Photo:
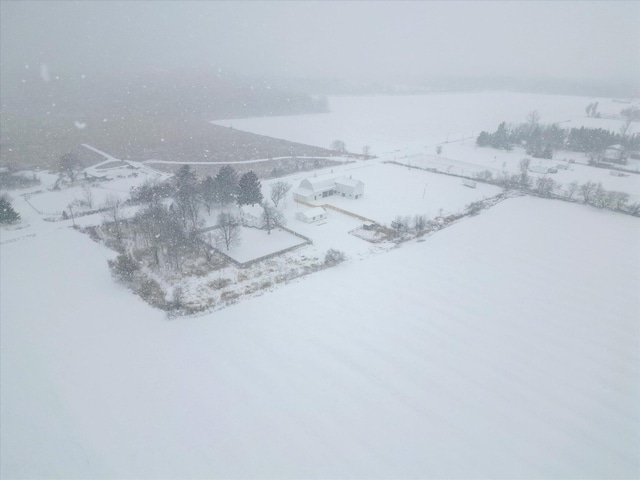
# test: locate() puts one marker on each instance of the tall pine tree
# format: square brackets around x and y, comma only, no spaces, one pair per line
[226,185]
[7,213]
[249,189]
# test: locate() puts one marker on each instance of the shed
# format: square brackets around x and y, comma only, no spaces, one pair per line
[312,215]
[614,154]
[539,169]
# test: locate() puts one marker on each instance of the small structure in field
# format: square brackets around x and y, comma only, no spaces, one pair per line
[251,216]
[469,183]
[543,169]
[311,189]
[614,154]
[312,215]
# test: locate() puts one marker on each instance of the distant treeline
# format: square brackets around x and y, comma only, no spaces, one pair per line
[541,141]
[159,94]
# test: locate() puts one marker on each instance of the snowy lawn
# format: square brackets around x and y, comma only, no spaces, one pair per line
[392,190]
[255,243]
[505,346]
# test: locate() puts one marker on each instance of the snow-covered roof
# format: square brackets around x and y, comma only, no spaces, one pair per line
[318,185]
[347,182]
[313,212]
[305,192]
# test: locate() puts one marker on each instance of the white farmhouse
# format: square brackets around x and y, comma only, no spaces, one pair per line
[312,215]
[251,216]
[311,189]
[350,188]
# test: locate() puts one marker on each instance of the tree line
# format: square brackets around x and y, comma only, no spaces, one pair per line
[541,141]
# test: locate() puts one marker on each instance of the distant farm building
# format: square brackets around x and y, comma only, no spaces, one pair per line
[312,215]
[614,154]
[543,169]
[311,189]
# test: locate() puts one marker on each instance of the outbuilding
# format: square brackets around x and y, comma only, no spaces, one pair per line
[614,154]
[312,215]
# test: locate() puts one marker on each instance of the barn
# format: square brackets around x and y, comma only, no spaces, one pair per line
[312,189]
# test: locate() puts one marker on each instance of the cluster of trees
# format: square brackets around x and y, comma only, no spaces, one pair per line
[171,232]
[10,179]
[541,141]
[590,193]
[592,110]
[417,225]
[189,193]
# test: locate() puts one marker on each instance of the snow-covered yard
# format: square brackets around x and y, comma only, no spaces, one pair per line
[392,190]
[255,243]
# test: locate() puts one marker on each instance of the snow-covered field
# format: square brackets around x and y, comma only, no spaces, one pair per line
[504,346]
[409,124]
[408,130]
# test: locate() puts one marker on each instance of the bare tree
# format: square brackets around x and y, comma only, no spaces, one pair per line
[420,224]
[533,118]
[366,150]
[113,213]
[572,188]
[87,196]
[587,190]
[70,165]
[229,229]
[525,181]
[545,186]
[271,217]
[339,146]
[279,191]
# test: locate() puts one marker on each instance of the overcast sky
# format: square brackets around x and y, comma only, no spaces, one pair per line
[354,40]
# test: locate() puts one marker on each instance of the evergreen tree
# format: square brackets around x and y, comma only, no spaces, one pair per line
[7,213]
[226,185]
[249,189]
[208,192]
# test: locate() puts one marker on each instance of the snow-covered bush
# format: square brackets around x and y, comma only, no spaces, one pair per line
[334,257]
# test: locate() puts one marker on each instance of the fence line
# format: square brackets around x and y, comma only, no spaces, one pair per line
[307,241]
[340,210]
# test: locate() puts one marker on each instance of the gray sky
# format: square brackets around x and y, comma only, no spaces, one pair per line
[354,40]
